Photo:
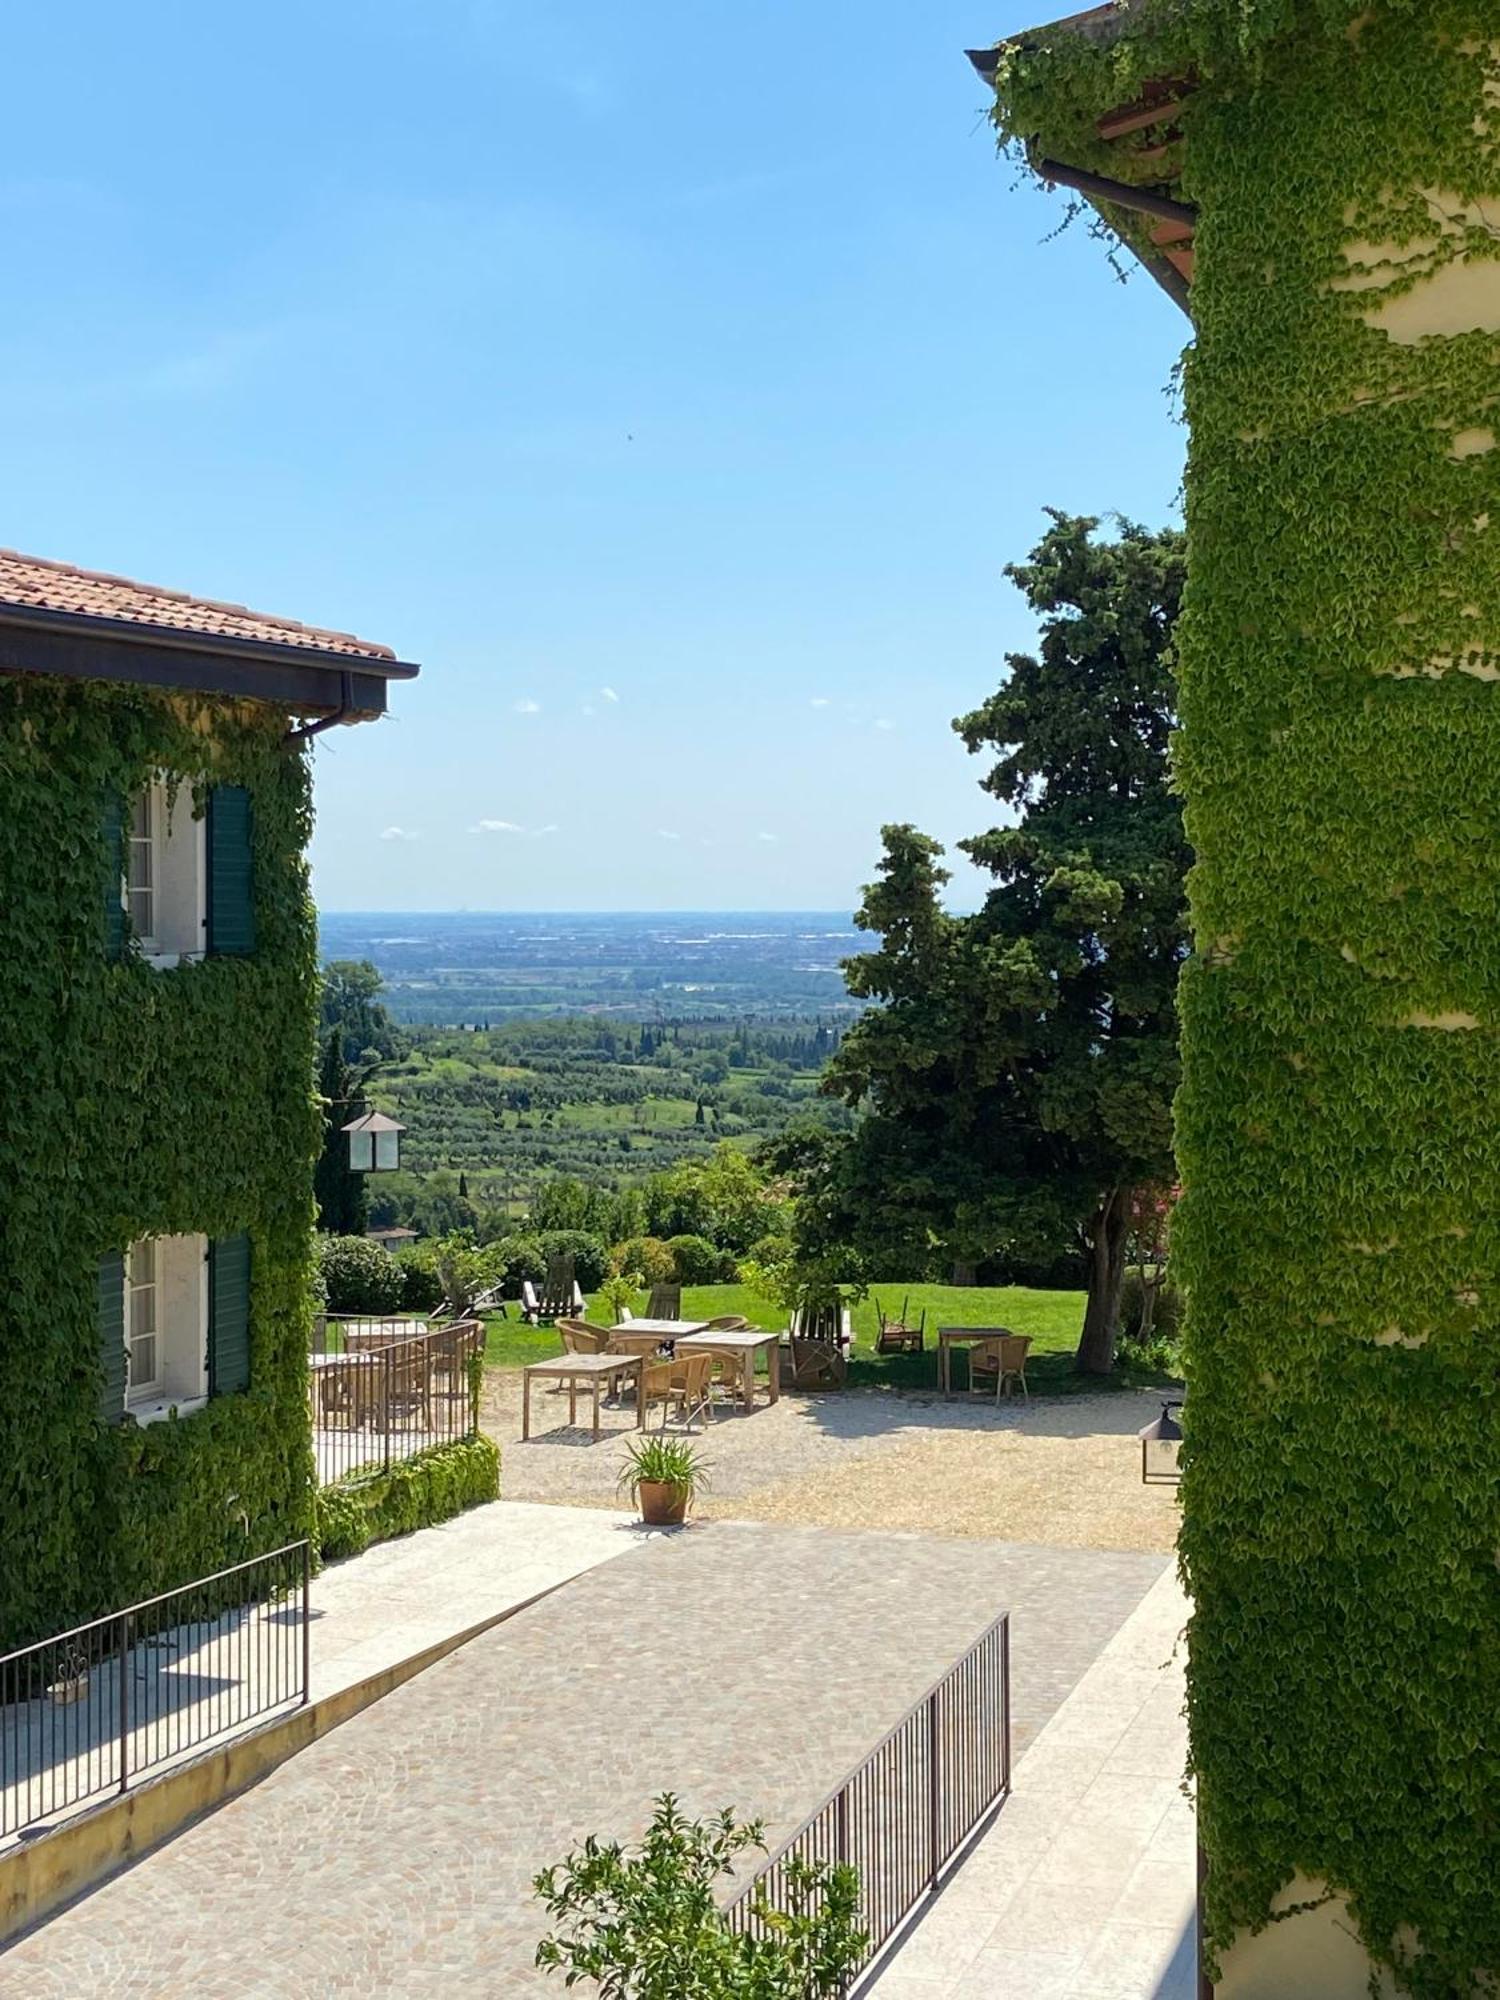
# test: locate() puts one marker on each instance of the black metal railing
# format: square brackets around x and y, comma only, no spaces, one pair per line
[381,1393]
[905,1814]
[88,1712]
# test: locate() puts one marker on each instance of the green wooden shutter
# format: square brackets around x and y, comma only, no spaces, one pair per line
[228,1315]
[112,819]
[231,873]
[112,1337]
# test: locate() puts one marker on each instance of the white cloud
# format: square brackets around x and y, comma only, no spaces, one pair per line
[497,826]
[884,722]
[526,706]
[541,832]
[399,833]
[666,833]
[819,701]
[608,694]
[773,837]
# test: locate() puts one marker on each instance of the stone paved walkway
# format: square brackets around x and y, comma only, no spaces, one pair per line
[1084,1887]
[196,1683]
[1060,1469]
[737,1664]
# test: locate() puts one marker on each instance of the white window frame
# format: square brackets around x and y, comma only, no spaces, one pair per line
[141,1274]
[175,843]
[175,1271]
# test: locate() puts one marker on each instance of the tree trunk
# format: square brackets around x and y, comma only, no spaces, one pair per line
[1107,1234]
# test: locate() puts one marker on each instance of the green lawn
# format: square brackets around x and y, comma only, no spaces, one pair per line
[1052,1319]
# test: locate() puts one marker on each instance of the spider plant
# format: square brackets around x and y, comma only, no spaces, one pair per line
[662,1461]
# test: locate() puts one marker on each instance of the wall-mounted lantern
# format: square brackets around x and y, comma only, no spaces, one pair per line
[374,1143]
[1161,1440]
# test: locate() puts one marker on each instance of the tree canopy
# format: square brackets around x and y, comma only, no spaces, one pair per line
[1015,1071]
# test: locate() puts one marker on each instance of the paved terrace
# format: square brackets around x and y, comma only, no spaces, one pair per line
[368,1615]
[737,1664]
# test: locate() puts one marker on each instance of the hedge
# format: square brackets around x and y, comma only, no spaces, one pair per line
[416,1493]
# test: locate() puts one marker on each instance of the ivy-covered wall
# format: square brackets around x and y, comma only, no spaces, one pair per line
[137,1102]
[1339,1122]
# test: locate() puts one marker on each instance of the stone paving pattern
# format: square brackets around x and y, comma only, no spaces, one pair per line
[368,1614]
[736,1664]
[1084,1887]
[1059,1469]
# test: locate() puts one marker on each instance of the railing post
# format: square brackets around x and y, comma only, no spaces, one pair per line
[385,1404]
[934,1802]
[1005,1705]
[124,1701]
[306,1623]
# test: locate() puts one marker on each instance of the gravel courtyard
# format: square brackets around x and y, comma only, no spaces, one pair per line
[1061,1470]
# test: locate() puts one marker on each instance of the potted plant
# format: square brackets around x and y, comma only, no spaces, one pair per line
[72,1683]
[663,1475]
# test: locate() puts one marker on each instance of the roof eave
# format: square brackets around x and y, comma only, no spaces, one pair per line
[302,680]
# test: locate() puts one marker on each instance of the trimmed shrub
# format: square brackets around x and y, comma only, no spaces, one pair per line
[519,1260]
[359,1276]
[416,1493]
[648,1255]
[770,1250]
[590,1258]
[696,1261]
[422,1288]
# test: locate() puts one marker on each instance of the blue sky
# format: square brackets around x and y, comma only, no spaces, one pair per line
[672,381]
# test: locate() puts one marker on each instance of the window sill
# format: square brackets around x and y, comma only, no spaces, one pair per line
[158,1412]
[168,961]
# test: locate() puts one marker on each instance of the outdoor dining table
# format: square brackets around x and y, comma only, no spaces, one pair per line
[576,1368]
[950,1337]
[659,1329]
[743,1348]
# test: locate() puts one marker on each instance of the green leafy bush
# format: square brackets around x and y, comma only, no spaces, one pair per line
[416,1493]
[421,1288]
[359,1276]
[590,1258]
[647,1254]
[519,1260]
[647,1925]
[696,1261]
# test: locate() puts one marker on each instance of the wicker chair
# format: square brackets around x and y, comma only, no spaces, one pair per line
[578,1337]
[684,1382]
[1002,1362]
[729,1323]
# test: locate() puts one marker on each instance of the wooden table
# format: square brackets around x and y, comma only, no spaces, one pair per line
[743,1348]
[576,1368]
[649,1336]
[950,1337]
[661,1329]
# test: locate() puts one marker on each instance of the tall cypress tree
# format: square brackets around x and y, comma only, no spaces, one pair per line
[343,1207]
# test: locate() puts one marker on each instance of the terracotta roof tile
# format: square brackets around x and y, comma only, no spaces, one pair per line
[32,583]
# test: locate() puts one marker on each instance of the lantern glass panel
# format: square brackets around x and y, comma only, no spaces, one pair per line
[387,1152]
[361,1152]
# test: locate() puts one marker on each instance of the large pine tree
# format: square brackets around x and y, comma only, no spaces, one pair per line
[1016,1071]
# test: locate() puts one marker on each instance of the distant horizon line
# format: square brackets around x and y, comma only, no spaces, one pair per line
[684,910]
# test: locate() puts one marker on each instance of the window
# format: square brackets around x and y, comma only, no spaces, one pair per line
[142,1348]
[140,877]
[165,874]
[166,1325]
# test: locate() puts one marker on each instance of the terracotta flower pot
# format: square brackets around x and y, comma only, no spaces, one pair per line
[663,1505]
